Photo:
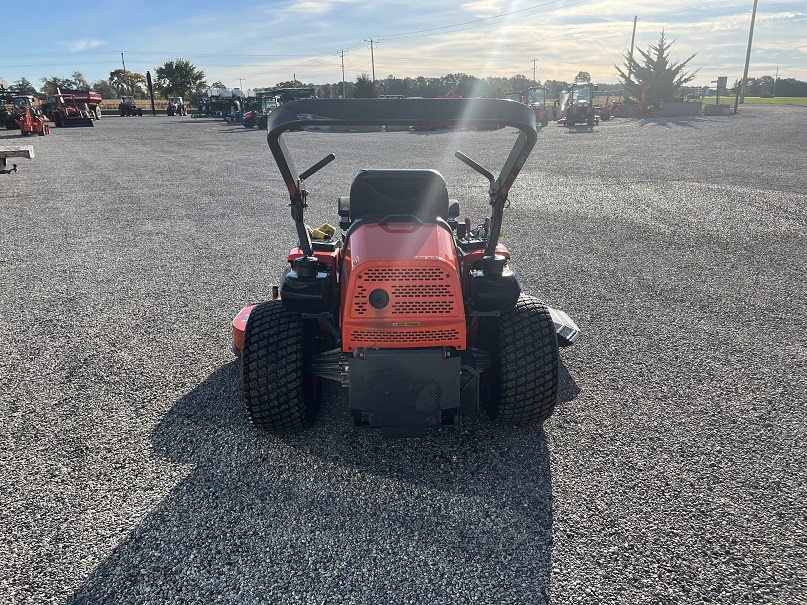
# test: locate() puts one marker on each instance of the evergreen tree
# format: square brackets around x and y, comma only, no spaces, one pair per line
[656,76]
[364,88]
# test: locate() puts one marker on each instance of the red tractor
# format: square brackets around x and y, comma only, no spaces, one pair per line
[65,111]
[128,107]
[92,99]
[28,117]
[176,107]
[535,97]
[578,106]
[417,312]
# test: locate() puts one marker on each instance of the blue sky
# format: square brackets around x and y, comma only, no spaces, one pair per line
[257,44]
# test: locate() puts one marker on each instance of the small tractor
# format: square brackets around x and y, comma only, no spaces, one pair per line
[65,111]
[415,311]
[128,107]
[578,106]
[258,112]
[535,98]
[28,117]
[176,107]
[270,100]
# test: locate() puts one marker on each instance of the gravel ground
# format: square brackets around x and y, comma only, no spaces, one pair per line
[672,471]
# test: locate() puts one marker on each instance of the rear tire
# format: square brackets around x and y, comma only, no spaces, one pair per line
[521,387]
[279,389]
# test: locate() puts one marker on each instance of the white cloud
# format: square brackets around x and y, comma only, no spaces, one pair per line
[314,7]
[483,7]
[77,46]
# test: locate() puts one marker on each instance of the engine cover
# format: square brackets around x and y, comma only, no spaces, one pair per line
[401,288]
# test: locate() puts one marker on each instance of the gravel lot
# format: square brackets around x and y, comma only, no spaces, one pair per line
[672,472]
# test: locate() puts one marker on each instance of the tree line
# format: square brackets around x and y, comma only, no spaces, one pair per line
[768,86]
[651,75]
[182,79]
[176,78]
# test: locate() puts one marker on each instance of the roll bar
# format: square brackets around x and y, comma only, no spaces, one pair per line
[479,113]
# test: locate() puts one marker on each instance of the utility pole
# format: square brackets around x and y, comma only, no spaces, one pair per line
[240,85]
[534,63]
[632,39]
[372,56]
[124,69]
[748,54]
[343,73]
[776,79]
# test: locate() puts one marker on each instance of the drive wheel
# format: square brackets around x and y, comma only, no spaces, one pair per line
[280,392]
[521,386]
[97,112]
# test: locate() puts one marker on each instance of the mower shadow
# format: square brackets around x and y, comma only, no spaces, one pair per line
[255,510]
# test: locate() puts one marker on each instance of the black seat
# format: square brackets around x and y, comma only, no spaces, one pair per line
[375,194]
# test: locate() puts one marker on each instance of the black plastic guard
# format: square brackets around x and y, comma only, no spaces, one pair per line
[404,391]
[306,294]
[492,292]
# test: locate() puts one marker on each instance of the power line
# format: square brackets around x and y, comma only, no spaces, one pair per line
[686,8]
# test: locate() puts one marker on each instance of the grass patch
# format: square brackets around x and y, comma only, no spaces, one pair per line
[729,100]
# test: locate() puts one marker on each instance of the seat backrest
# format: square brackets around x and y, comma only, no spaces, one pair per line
[375,194]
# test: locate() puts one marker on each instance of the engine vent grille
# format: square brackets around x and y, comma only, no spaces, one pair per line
[404,274]
[373,337]
[425,291]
